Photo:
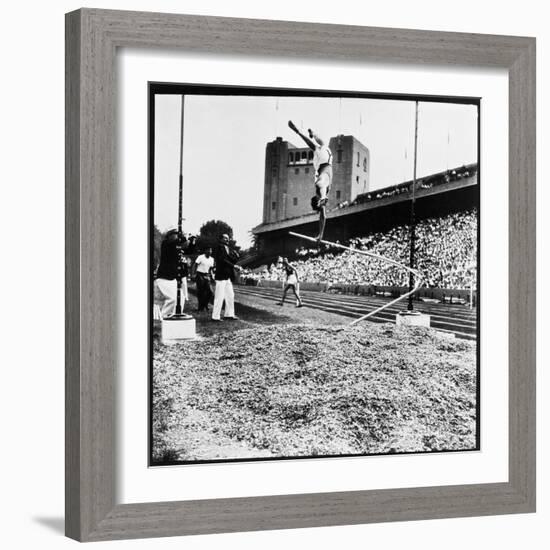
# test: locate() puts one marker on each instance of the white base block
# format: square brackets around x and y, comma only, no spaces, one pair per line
[447,335]
[412,319]
[176,330]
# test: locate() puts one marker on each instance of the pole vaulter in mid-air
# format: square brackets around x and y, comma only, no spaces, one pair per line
[322,162]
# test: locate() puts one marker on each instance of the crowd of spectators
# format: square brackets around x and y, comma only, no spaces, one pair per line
[423,183]
[446,252]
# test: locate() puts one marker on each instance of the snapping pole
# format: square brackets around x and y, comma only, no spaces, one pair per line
[419,277]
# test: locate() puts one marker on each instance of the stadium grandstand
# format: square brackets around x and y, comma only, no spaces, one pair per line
[446,255]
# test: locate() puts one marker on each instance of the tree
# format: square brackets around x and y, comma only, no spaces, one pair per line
[211,231]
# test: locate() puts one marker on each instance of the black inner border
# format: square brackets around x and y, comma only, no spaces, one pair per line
[166,88]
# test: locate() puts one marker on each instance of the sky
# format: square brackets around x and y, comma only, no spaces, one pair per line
[224,143]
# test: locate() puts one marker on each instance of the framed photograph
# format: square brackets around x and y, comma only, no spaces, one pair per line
[300,275]
[312,363]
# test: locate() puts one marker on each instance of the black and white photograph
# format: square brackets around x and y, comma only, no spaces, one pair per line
[313,274]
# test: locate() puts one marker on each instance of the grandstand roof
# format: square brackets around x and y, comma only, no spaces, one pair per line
[434,184]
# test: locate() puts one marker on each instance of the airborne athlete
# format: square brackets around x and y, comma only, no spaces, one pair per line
[322,162]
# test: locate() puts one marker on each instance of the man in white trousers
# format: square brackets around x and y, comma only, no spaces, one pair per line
[225,259]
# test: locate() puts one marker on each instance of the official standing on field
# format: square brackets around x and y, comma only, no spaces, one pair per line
[225,260]
[204,266]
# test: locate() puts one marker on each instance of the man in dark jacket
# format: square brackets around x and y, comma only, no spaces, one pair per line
[167,273]
[225,259]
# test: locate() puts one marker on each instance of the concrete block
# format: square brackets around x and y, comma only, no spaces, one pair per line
[177,330]
[412,319]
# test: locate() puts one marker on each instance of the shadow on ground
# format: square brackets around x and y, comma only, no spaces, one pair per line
[248,316]
[55,524]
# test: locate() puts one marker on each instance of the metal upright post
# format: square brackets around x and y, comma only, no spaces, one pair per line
[412,230]
[179,326]
[180,219]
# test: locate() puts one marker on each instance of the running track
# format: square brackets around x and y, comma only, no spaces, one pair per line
[457,319]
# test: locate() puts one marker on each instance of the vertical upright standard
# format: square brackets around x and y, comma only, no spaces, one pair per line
[412,230]
[179,326]
[180,219]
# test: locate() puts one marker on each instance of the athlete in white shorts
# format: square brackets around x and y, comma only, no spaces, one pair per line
[291,283]
[322,162]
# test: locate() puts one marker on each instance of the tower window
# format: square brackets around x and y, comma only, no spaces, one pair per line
[310,155]
[273,205]
[306,170]
[295,201]
[338,195]
[304,155]
[339,156]
[358,159]
[365,164]
[357,179]
[296,170]
[291,157]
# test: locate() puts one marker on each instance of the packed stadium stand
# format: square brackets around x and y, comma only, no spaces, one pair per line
[446,252]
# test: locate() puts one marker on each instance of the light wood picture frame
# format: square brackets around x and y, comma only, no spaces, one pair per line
[92,39]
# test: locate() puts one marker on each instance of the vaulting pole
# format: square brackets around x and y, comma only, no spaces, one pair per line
[419,276]
[412,230]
